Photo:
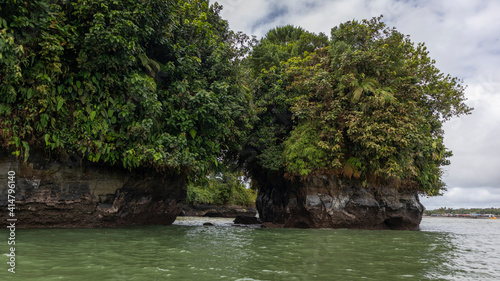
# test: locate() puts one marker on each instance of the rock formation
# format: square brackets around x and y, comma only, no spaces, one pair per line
[246,220]
[74,193]
[328,202]
[227,211]
[71,192]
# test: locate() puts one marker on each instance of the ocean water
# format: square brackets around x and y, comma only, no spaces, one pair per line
[444,249]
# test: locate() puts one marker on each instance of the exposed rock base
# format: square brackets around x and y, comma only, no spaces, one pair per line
[246,220]
[229,211]
[327,202]
[73,193]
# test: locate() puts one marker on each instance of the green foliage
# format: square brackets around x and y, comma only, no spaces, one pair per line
[369,106]
[282,43]
[221,189]
[165,84]
[302,153]
[271,93]
[142,83]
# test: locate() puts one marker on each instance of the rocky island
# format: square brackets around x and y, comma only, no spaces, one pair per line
[106,116]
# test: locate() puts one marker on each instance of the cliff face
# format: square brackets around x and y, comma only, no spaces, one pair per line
[74,193]
[327,202]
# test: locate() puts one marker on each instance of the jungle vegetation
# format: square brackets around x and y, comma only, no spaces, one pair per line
[367,106]
[165,84]
[221,187]
[138,83]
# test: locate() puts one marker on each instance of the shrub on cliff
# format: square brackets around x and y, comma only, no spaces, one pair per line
[369,106]
[142,83]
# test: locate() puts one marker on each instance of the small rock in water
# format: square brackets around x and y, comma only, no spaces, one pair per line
[208,224]
[246,220]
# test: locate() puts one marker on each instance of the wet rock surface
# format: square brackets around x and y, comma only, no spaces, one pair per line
[73,193]
[327,202]
[228,211]
[246,220]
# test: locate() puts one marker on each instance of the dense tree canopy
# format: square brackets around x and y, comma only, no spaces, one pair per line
[165,84]
[282,43]
[142,83]
[270,94]
[370,106]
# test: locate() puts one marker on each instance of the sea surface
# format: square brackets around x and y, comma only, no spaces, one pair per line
[444,249]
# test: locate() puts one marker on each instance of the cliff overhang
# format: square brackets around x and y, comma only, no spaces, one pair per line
[73,193]
[329,202]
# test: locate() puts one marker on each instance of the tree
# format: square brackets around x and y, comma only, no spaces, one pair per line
[142,83]
[282,43]
[369,107]
[222,186]
[273,121]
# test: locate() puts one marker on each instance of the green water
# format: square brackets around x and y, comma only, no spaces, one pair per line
[445,249]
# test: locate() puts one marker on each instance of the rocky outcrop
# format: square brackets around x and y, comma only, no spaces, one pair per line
[328,202]
[227,211]
[246,220]
[74,193]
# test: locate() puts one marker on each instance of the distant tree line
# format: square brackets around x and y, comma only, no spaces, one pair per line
[445,210]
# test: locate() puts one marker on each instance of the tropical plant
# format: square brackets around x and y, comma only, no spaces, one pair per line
[139,83]
[368,107]
[284,42]
[272,110]
[221,188]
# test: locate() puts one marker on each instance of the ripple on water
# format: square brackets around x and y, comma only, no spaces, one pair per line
[445,249]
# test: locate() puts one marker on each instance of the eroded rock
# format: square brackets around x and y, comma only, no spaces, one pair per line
[227,211]
[75,193]
[327,202]
[246,220]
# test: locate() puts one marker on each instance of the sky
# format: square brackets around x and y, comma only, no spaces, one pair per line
[463,36]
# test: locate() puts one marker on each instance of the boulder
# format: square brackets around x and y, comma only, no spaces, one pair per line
[246,220]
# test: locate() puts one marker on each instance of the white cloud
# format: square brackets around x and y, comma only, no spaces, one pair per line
[462,36]
[459,197]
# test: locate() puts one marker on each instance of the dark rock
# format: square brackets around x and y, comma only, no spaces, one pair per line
[328,202]
[214,215]
[246,220]
[63,194]
[227,211]
[208,224]
[272,225]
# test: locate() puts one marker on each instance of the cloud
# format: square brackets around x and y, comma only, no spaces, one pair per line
[459,197]
[463,37]
[474,141]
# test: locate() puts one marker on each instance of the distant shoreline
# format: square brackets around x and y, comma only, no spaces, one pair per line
[457,217]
